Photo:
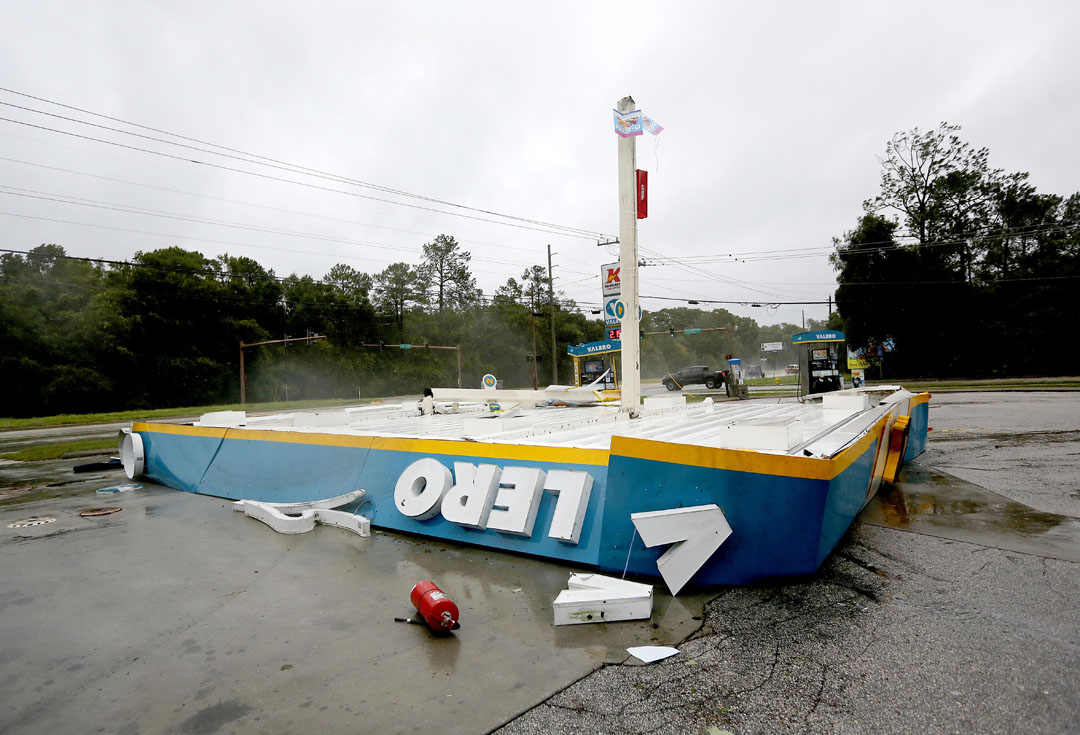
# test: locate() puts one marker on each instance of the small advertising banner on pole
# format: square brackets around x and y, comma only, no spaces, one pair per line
[642,193]
[629,124]
[610,280]
[857,359]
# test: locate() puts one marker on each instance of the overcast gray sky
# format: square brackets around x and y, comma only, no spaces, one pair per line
[774,116]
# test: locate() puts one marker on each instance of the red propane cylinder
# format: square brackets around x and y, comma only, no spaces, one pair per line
[437,610]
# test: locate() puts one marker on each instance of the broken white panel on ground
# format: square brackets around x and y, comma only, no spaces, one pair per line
[696,533]
[335,502]
[594,598]
[305,520]
[359,525]
[648,654]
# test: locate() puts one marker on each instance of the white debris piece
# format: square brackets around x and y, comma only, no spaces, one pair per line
[360,525]
[222,419]
[695,534]
[302,517]
[280,522]
[594,598]
[648,654]
[335,502]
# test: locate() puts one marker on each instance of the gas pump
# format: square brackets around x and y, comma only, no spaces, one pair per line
[735,385]
[593,369]
[593,360]
[819,361]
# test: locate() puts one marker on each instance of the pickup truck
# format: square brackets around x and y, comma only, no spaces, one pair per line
[694,375]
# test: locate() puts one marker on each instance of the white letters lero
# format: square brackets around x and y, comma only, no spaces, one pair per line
[485,497]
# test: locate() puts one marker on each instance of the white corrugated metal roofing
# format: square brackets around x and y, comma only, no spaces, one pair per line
[813,428]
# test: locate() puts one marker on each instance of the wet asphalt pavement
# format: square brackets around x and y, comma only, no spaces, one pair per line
[899,631]
[952,607]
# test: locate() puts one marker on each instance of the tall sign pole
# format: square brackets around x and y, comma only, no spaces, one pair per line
[628,264]
[551,303]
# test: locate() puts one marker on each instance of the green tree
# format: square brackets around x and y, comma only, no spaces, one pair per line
[509,293]
[397,287]
[51,329]
[445,272]
[926,173]
[354,285]
[174,350]
[986,261]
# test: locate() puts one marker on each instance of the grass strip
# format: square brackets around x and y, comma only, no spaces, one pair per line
[163,413]
[59,449]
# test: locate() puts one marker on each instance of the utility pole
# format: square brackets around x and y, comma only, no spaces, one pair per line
[628,264]
[243,378]
[551,300]
[535,377]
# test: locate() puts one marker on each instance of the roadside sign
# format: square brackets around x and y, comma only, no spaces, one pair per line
[614,333]
[695,330]
[610,317]
[619,310]
[772,346]
[489,381]
[610,280]
[857,359]
[405,346]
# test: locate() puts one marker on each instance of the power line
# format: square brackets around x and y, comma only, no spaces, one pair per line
[973,282]
[717,277]
[79,201]
[262,206]
[552,228]
[337,256]
[267,275]
[293,181]
[371,310]
[263,160]
[223,277]
[736,303]
[684,263]
[861,248]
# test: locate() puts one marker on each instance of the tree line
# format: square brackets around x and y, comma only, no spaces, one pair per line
[959,269]
[164,329]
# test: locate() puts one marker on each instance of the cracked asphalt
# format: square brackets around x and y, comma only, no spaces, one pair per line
[898,632]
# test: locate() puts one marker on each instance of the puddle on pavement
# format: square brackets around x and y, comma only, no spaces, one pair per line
[28,482]
[935,503]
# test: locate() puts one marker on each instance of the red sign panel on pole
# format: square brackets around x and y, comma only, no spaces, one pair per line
[642,193]
[609,278]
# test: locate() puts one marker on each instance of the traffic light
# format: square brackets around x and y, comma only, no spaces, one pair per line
[727,357]
[382,345]
[671,332]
